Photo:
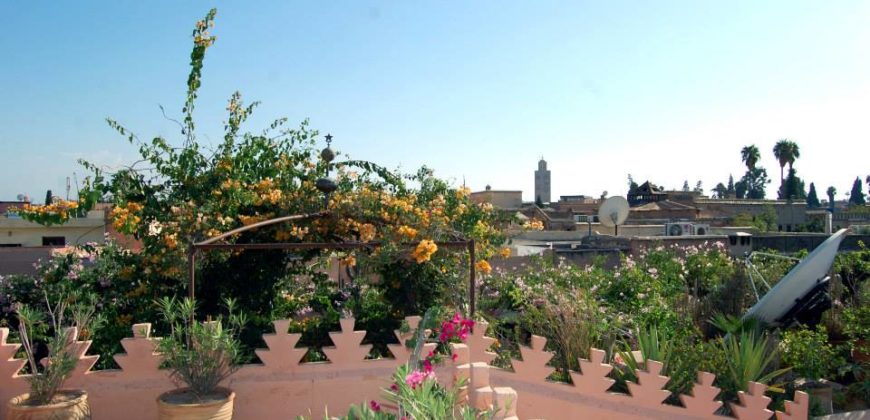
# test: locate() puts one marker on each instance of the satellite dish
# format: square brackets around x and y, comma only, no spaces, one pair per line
[613,212]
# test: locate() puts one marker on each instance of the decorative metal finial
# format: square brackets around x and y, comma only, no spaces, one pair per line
[327,154]
[326,185]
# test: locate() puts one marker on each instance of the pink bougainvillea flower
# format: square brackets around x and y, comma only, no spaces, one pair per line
[417,377]
[375,406]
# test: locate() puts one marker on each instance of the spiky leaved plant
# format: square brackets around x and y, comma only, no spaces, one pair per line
[198,354]
[65,321]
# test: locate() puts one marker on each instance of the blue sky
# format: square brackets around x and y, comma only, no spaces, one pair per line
[667,90]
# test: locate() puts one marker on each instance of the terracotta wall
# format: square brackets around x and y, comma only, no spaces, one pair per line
[282,388]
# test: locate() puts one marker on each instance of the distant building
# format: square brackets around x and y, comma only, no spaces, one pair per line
[578,204]
[646,193]
[505,200]
[542,182]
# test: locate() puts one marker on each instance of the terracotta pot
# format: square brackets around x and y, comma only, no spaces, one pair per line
[823,393]
[75,407]
[170,408]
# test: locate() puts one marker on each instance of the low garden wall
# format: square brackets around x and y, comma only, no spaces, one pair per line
[282,388]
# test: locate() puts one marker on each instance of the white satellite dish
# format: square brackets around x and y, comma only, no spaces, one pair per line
[613,212]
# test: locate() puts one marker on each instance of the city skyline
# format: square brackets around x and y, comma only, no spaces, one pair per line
[666,92]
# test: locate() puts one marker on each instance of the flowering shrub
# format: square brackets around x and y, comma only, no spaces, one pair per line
[182,192]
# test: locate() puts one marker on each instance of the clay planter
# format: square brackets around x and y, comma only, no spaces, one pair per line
[181,404]
[70,404]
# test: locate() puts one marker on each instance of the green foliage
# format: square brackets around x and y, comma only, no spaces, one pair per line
[813,198]
[744,357]
[856,196]
[809,353]
[65,321]
[793,187]
[199,354]
[755,181]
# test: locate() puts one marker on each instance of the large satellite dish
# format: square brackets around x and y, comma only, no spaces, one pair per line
[613,212]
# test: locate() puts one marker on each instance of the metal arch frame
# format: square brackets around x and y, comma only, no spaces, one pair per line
[213,243]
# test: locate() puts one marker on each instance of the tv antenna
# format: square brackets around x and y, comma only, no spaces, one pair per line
[613,213]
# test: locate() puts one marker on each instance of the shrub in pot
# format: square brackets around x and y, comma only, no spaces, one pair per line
[812,358]
[47,399]
[199,355]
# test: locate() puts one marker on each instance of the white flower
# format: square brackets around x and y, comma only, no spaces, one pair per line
[154,228]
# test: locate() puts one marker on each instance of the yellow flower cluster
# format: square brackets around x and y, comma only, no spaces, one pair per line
[424,250]
[505,252]
[124,218]
[367,232]
[407,232]
[462,192]
[60,208]
[483,267]
[171,241]
[250,220]
[294,232]
[533,224]
[349,261]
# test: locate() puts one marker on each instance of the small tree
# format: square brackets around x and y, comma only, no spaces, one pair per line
[740,189]
[730,189]
[48,197]
[832,192]
[699,188]
[813,198]
[686,186]
[856,197]
[720,190]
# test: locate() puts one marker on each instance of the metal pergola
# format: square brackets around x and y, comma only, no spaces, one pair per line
[218,243]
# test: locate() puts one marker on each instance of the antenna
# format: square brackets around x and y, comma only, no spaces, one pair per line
[67,188]
[613,213]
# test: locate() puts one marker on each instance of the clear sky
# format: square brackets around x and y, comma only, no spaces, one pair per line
[663,90]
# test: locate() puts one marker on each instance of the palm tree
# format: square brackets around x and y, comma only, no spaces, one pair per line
[750,155]
[831,193]
[795,154]
[783,152]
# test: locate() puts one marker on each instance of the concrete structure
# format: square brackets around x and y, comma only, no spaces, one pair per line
[16,232]
[503,200]
[542,182]
[719,212]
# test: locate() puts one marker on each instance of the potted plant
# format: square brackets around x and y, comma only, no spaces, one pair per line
[812,358]
[199,355]
[47,399]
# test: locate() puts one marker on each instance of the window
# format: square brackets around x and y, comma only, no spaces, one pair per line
[53,241]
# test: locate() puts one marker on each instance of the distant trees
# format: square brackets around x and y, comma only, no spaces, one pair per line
[720,190]
[699,188]
[793,189]
[754,181]
[686,186]
[856,197]
[48,197]
[831,193]
[730,191]
[813,198]
[786,152]
[751,156]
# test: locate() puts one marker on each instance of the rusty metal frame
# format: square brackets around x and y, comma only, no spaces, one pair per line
[216,243]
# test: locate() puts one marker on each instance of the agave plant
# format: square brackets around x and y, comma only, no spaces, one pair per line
[751,358]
